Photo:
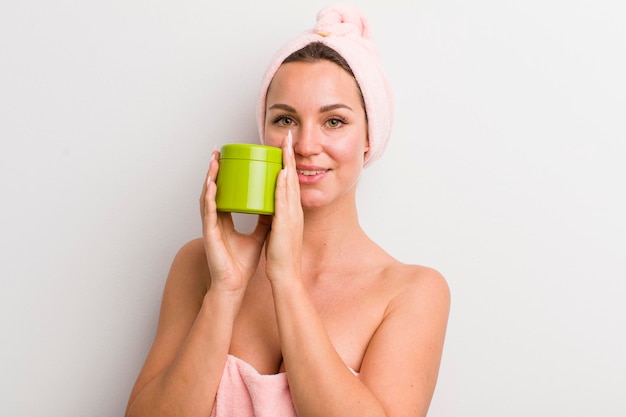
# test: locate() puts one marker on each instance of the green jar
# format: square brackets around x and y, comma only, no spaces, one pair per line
[246,180]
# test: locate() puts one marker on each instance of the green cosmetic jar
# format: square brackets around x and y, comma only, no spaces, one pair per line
[246,180]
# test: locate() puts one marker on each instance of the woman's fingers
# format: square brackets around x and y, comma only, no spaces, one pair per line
[232,256]
[288,188]
[293,183]
[207,199]
[291,174]
[283,250]
[207,188]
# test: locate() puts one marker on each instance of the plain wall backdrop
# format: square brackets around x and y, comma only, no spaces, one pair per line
[505,172]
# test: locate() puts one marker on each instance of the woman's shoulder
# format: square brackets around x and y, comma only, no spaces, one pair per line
[417,283]
[189,267]
[413,273]
[406,280]
[192,253]
[194,246]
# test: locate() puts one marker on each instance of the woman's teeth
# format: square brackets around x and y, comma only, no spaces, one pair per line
[307,172]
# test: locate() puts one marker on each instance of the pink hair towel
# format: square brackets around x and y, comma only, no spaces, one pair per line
[346,30]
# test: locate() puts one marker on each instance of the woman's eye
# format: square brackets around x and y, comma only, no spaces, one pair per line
[335,122]
[285,121]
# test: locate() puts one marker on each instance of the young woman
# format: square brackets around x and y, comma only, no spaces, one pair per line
[306,315]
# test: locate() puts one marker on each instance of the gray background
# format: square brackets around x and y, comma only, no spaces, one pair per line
[505,172]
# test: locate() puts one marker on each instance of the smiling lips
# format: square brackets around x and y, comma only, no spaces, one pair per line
[310,175]
[309,172]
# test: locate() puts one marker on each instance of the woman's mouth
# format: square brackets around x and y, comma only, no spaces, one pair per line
[310,172]
[310,175]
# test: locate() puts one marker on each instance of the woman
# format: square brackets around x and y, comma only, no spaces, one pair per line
[306,315]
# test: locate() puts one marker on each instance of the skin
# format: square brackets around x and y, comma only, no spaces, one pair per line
[286,299]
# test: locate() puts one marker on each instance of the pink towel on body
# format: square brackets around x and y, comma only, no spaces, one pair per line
[244,392]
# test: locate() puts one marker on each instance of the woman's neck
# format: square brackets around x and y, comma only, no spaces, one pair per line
[330,233]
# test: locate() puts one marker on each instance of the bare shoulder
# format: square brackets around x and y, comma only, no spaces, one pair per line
[416,285]
[418,305]
[424,279]
[191,255]
[185,287]
[401,364]
[189,268]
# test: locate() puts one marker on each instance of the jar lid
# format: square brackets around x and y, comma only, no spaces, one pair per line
[252,152]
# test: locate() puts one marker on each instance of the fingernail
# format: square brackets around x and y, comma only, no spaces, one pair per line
[285,172]
[290,143]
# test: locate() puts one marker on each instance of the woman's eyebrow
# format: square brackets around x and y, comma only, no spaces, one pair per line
[282,106]
[323,109]
[331,107]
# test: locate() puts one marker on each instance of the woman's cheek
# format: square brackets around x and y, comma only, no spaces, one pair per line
[273,138]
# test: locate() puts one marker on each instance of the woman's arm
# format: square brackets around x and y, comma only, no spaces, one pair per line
[184,366]
[400,367]
[201,300]
[401,364]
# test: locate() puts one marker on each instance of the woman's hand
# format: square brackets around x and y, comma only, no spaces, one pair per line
[284,243]
[232,257]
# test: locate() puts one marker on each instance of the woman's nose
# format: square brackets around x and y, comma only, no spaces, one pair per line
[306,140]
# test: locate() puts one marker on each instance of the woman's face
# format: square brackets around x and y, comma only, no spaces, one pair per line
[321,104]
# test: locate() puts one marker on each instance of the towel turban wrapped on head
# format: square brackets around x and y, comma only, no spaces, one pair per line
[346,30]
